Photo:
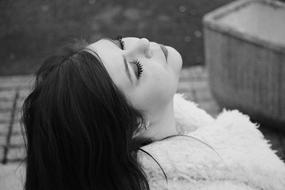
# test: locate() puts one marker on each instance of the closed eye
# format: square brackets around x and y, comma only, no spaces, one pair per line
[122,43]
[136,62]
[139,66]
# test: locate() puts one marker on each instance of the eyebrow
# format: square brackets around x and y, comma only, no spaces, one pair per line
[125,61]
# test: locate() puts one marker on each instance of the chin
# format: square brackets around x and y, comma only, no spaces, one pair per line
[174,59]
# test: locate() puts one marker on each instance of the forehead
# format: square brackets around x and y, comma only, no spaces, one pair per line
[99,44]
[112,59]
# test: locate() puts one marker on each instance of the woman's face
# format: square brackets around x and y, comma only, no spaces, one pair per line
[159,76]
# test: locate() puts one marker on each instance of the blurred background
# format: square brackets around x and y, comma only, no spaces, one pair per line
[30,30]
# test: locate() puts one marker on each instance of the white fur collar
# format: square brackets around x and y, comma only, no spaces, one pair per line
[243,158]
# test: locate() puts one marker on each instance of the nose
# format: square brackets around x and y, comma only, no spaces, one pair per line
[141,46]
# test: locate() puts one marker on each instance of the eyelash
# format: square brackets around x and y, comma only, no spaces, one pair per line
[137,62]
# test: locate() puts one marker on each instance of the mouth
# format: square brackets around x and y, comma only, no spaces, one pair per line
[164,50]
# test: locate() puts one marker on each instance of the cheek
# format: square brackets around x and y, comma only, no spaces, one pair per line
[156,92]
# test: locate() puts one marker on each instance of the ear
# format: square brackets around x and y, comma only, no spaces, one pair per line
[143,126]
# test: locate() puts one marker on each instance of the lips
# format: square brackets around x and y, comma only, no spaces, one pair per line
[164,50]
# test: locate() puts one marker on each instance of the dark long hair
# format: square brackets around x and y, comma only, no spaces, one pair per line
[79,128]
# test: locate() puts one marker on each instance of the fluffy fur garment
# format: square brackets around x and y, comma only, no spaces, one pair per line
[227,152]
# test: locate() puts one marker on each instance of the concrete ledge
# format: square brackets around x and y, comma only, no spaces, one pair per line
[12,176]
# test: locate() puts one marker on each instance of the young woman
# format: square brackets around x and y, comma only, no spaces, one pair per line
[105,116]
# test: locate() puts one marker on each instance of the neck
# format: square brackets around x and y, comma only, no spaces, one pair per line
[162,124]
